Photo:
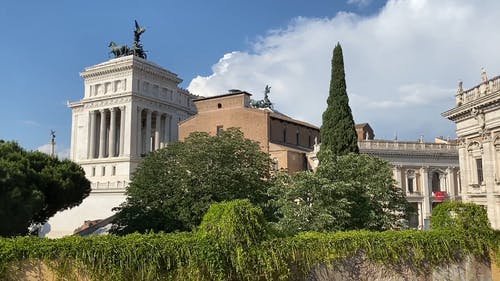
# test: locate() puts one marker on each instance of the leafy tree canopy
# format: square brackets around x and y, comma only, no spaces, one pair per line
[338,133]
[354,191]
[174,186]
[35,186]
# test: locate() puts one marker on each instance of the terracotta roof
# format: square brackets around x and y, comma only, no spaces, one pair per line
[284,117]
[223,95]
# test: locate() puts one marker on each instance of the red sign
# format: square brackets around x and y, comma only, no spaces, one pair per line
[440,195]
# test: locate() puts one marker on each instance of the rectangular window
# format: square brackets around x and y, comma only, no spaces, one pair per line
[410,185]
[220,128]
[113,171]
[103,171]
[297,138]
[93,171]
[479,168]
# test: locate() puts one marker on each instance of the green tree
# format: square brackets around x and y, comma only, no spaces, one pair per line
[354,191]
[174,186]
[338,133]
[35,186]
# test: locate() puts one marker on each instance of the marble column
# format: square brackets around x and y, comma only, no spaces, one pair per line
[472,176]
[139,131]
[102,134]
[166,136]
[157,131]
[148,130]
[112,133]
[398,176]
[122,130]
[450,178]
[426,210]
[92,141]
[420,216]
[162,131]
[463,172]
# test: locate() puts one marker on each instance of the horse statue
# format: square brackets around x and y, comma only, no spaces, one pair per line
[136,49]
[118,50]
[266,102]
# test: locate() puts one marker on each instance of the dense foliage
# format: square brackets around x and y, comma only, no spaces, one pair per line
[338,133]
[354,191]
[460,216]
[34,186]
[237,221]
[174,186]
[208,255]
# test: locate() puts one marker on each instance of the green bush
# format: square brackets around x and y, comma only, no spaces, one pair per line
[237,222]
[466,217]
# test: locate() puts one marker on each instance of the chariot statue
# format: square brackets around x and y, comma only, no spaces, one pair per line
[264,103]
[136,49]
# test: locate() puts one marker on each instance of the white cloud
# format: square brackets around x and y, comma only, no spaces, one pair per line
[31,123]
[402,64]
[360,3]
[61,152]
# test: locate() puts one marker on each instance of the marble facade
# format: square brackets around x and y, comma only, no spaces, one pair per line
[130,107]
[477,118]
[427,172]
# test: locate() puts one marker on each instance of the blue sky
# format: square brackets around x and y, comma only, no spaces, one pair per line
[403,58]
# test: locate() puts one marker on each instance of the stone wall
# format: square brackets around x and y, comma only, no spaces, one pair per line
[360,269]
[351,269]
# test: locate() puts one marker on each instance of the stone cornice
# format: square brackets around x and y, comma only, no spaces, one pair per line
[105,70]
[162,103]
[129,63]
[406,146]
[408,149]
[74,104]
[99,101]
[464,111]
[106,160]
[412,154]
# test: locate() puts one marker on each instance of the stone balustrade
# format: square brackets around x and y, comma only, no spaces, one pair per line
[486,87]
[403,145]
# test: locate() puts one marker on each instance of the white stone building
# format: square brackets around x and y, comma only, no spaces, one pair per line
[477,117]
[131,106]
[428,172]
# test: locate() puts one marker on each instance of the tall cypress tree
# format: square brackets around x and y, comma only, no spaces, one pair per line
[338,134]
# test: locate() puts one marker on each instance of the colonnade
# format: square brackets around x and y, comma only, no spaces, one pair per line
[151,130]
[107,139]
[154,130]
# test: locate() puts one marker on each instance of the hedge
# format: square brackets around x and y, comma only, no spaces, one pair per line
[220,250]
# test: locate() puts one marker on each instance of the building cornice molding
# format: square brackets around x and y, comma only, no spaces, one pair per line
[464,111]
[123,98]
[412,154]
[154,102]
[126,64]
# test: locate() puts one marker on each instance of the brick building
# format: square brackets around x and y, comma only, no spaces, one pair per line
[285,139]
